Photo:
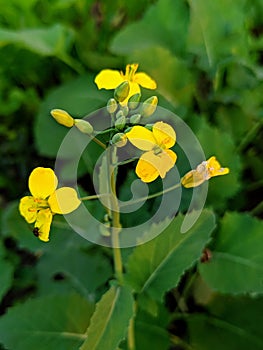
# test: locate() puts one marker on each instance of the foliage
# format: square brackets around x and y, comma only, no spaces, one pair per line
[187,291]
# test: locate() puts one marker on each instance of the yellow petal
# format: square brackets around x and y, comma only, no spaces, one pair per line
[151,165]
[214,168]
[42,182]
[64,200]
[141,138]
[43,223]
[167,159]
[193,179]
[109,79]
[145,81]
[164,134]
[28,209]
[145,170]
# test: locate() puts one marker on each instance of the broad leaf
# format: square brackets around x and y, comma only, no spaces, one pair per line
[48,41]
[147,31]
[237,261]
[79,98]
[234,323]
[82,271]
[54,323]
[61,234]
[219,143]
[214,22]
[157,266]
[6,273]
[110,321]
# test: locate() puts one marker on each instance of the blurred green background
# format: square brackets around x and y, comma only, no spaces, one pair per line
[207,58]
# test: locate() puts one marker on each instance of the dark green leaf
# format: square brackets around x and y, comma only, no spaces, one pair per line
[234,322]
[237,261]
[54,323]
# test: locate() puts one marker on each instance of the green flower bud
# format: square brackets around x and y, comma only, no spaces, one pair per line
[119,114]
[105,229]
[134,100]
[149,106]
[122,91]
[84,126]
[62,117]
[112,105]
[120,122]
[135,118]
[119,139]
[125,110]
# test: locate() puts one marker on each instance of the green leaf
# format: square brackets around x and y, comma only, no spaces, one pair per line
[179,90]
[237,261]
[228,320]
[6,273]
[82,271]
[79,98]
[48,41]
[219,143]
[110,320]
[157,266]
[54,323]
[212,24]
[146,33]
[150,336]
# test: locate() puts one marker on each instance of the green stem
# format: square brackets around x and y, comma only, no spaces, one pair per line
[94,138]
[131,335]
[115,215]
[94,196]
[160,193]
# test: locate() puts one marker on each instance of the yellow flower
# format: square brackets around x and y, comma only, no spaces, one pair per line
[110,79]
[46,201]
[158,158]
[203,172]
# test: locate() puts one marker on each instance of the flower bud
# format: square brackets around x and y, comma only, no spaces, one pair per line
[84,126]
[149,126]
[62,117]
[112,105]
[122,91]
[105,229]
[134,100]
[119,139]
[125,110]
[120,122]
[149,106]
[119,114]
[135,118]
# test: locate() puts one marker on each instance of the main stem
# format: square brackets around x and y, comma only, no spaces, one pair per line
[115,215]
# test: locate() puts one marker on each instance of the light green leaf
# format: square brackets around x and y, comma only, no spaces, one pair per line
[215,22]
[79,98]
[157,266]
[174,79]
[220,144]
[54,323]
[169,15]
[48,41]
[110,321]
[237,261]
